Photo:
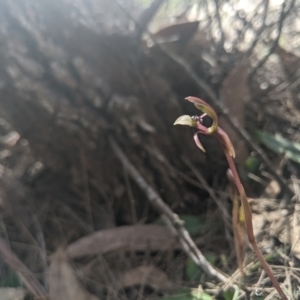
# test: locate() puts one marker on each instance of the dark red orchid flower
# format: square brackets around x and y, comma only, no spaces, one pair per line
[197,122]
[242,215]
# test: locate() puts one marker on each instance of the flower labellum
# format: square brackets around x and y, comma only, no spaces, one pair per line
[185,120]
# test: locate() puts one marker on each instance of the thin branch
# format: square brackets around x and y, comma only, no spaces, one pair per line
[247,24]
[222,40]
[222,207]
[153,151]
[40,240]
[224,211]
[275,43]
[172,219]
[146,18]
[86,192]
[186,68]
[131,197]
[261,28]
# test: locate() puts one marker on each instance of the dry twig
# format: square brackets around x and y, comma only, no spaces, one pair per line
[260,30]
[275,43]
[172,219]
[222,39]
[225,215]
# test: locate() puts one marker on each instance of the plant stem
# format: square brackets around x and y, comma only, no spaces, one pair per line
[249,226]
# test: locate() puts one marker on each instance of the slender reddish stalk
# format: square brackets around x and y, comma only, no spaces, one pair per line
[249,226]
[224,140]
[238,227]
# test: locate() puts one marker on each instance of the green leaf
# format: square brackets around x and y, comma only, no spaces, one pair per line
[228,295]
[194,225]
[11,280]
[211,257]
[252,164]
[279,144]
[193,272]
[202,296]
[188,294]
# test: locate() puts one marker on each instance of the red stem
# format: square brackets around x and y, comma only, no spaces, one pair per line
[249,226]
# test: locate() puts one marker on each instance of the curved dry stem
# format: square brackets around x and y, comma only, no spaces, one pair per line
[176,224]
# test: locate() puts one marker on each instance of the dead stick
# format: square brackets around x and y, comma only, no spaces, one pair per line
[177,225]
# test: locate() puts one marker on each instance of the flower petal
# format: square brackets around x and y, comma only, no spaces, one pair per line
[185,120]
[197,141]
[206,108]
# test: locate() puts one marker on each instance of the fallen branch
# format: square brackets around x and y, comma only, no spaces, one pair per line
[136,238]
[172,219]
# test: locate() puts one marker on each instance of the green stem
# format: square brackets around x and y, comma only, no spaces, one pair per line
[267,257]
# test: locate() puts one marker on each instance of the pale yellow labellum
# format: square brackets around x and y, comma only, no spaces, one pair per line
[185,120]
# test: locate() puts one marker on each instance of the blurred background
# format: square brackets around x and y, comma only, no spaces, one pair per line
[89,92]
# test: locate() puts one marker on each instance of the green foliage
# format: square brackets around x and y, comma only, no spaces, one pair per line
[193,272]
[252,164]
[232,295]
[188,294]
[194,225]
[228,295]
[211,257]
[279,145]
[11,280]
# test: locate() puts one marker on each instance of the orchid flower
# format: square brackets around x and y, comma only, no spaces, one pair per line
[242,215]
